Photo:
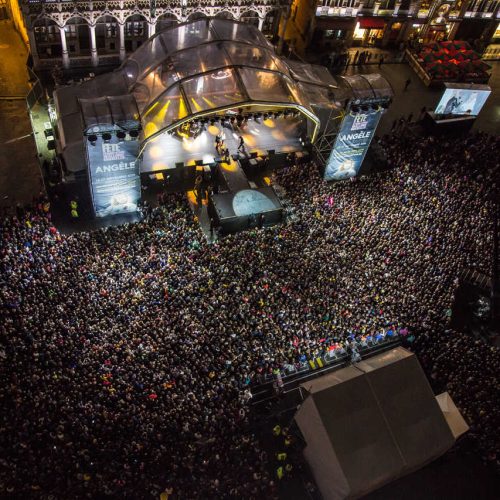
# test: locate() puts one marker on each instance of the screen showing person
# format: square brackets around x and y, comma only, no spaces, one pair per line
[462,101]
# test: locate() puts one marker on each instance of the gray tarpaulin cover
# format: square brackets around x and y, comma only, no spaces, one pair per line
[370,423]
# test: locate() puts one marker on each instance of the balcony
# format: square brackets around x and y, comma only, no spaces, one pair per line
[80,61]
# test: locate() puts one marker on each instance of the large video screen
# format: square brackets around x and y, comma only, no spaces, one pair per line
[355,134]
[114,175]
[462,101]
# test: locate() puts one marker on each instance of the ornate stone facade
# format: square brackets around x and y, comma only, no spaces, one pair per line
[95,33]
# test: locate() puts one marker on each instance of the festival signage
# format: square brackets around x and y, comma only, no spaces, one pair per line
[351,145]
[115,182]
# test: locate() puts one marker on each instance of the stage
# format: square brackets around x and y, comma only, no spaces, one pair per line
[281,135]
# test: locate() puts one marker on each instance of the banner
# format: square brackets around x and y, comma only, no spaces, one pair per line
[351,145]
[115,183]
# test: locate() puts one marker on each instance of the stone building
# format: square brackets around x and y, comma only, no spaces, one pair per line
[386,23]
[81,34]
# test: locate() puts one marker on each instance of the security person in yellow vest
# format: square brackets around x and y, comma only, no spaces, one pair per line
[74,209]
[281,456]
[279,472]
[277,430]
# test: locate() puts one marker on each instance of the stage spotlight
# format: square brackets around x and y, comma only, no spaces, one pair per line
[106,137]
[354,110]
[375,107]
[92,139]
[121,135]
[134,134]
[266,116]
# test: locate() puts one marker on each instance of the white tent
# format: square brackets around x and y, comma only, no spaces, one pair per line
[370,423]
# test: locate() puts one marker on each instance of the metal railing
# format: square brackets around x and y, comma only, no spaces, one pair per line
[36,94]
[333,355]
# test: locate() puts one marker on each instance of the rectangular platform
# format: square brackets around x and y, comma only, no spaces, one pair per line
[245,209]
[233,176]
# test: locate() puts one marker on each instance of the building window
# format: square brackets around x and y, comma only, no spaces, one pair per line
[71,31]
[483,6]
[388,5]
[134,28]
[492,7]
[111,30]
[45,34]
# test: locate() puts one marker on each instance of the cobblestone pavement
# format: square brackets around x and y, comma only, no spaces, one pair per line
[20,177]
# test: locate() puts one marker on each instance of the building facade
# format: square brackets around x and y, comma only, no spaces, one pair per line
[386,23]
[81,34]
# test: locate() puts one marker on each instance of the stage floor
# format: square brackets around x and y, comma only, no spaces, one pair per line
[281,134]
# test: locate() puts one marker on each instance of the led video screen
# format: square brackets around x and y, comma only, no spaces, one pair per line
[463,101]
[353,140]
[114,175]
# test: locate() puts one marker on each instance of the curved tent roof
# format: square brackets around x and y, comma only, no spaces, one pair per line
[208,65]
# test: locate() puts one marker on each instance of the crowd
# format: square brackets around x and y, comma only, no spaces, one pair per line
[128,354]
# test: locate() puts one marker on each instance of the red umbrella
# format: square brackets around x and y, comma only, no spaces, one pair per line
[460,56]
[435,68]
[461,45]
[429,57]
[467,67]
[480,65]
[432,46]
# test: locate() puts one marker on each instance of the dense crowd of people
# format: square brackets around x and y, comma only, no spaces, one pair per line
[128,353]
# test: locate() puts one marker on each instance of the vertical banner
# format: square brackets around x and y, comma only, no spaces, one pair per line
[115,183]
[351,145]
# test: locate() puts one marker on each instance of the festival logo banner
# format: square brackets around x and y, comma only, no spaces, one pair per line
[115,182]
[351,145]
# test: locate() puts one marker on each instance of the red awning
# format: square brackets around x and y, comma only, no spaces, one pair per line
[371,23]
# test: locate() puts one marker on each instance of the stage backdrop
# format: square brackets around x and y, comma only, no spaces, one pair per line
[114,178]
[351,145]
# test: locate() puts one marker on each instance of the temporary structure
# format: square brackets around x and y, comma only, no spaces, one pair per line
[370,423]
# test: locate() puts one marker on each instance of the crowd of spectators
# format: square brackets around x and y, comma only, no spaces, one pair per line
[128,354]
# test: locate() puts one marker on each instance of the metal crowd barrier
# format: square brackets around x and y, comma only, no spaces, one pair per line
[323,363]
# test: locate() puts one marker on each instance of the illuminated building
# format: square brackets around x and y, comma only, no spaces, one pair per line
[99,33]
[389,22]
